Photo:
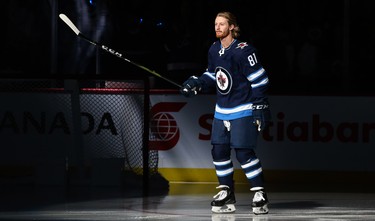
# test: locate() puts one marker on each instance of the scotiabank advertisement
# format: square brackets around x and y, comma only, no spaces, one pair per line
[307,133]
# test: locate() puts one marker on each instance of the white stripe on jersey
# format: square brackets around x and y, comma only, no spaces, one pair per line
[210,75]
[233,110]
[263,82]
[255,75]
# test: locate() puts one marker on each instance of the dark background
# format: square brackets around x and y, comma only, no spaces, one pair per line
[310,47]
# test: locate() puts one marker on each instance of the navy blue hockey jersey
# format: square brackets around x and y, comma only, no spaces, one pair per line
[238,76]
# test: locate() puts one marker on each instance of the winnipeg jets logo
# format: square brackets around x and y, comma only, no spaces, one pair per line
[242,45]
[223,80]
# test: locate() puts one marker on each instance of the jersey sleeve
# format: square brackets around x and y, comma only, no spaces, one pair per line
[255,73]
[208,77]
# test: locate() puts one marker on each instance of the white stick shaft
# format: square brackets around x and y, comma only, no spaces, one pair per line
[69,23]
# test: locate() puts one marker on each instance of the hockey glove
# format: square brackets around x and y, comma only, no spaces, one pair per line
[262,115]
[191,86]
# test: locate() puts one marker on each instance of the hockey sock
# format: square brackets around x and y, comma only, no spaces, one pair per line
[251,166]
[224,172]
[223,165]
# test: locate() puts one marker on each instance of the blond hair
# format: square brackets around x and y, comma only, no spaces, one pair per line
[232,20]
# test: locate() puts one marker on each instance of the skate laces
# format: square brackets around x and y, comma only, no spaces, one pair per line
[258,196]
[221,194]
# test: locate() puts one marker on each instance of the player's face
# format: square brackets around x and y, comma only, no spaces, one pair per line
[222,27]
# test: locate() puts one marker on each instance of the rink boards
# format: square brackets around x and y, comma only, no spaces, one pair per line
[309,135]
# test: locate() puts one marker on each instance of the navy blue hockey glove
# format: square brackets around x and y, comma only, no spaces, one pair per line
[262,115]
[191,86]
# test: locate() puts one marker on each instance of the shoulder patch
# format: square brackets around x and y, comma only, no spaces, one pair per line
[242,45]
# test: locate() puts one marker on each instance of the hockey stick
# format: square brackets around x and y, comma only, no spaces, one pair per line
[110,50]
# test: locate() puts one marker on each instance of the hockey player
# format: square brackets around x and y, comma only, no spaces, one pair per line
[241,112]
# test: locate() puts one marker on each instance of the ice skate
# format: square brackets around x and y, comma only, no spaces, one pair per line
[260,203]
[224,201]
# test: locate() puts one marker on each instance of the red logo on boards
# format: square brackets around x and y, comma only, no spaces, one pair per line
[164,129]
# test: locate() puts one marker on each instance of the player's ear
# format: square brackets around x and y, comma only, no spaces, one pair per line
[231,27]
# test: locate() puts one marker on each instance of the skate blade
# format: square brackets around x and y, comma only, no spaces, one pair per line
[260,210]
[229,208]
